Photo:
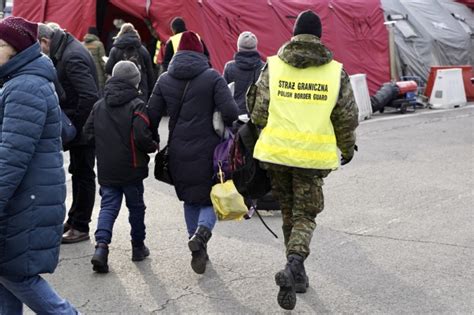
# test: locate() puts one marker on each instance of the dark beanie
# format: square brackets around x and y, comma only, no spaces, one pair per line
[93,31]
[190,41]
[18,32]
[308,22]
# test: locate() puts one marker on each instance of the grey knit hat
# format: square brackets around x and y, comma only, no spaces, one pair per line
[247,42]
[128,71]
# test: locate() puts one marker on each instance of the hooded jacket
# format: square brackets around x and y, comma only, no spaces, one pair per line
[244,70]
[96,48]
[32,179]
[119,127]
[145,64]
[192,145]
[301,52]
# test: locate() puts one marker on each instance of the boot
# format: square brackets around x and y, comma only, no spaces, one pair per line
[198,246]
[139,251]
[301,280]
[285,279]
[100,258]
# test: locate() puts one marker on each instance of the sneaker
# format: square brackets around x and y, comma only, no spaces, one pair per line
[100,258]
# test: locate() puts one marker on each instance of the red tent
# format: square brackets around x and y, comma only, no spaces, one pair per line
[469,3]
[353,29]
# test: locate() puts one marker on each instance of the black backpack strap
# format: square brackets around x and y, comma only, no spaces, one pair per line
[179,111]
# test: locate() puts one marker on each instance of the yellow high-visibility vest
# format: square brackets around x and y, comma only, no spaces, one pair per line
[299,132]
[157,51]
[176,39]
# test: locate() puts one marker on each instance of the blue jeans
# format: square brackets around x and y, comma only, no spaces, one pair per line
[33,291]
[196,215]
[110,207]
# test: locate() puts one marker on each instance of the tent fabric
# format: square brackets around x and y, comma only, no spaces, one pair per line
[460,10]
[353,29]
[469,3]
[465,17]
[76,16]
[439,39]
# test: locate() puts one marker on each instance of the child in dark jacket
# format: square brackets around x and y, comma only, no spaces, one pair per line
[119,126]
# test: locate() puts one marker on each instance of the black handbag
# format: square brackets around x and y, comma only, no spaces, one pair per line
[68,131]
[162,158]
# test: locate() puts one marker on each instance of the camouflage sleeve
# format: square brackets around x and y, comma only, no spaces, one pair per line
[345,118]
[258,99]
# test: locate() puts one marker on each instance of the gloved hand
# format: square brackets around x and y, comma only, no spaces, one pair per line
[346,159]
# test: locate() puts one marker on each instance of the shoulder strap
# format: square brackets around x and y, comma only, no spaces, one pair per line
[179,111]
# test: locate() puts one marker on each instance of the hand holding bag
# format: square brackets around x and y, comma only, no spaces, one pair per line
[228,203]
[162,168]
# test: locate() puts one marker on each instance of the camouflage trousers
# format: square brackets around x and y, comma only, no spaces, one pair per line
[301,198]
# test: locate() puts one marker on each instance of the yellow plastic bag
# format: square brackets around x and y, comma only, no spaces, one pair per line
[228,203]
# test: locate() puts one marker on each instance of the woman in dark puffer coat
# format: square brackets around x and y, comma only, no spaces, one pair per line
[32,180]
[194,139]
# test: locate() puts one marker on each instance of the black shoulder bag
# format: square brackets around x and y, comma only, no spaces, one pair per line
[162,158]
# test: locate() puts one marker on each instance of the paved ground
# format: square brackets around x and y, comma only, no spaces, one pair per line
[396,237]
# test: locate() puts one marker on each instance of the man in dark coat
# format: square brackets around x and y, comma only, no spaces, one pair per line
[32,181]
[128,46]
[193,140]
[244,69]
[77,76]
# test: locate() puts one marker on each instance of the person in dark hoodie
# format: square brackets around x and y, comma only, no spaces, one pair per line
[119,127]
[303,129]
[78,77]
[191,147]
[128,46]
[32,180]
[245,69]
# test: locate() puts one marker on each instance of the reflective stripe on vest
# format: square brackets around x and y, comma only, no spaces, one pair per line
[299,132]
[176,39]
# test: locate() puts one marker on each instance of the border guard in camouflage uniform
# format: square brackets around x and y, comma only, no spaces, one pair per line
[304,102]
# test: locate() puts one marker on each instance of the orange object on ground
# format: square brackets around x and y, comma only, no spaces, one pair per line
[467,74]
[407,86]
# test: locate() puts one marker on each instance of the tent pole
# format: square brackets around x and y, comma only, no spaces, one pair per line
[393,58]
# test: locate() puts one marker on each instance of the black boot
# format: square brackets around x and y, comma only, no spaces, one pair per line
[139,251]
[100,258]
[301,280]
[286,280]
[198,246]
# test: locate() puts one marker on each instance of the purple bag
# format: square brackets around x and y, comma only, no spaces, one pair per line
[222,156]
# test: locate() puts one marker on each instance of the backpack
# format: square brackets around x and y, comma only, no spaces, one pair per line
[249,178]
[132,53]
[221,158]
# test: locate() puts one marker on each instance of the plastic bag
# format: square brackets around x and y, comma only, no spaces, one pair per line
[228,203]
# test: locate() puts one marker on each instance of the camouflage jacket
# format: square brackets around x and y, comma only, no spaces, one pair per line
[301,52]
